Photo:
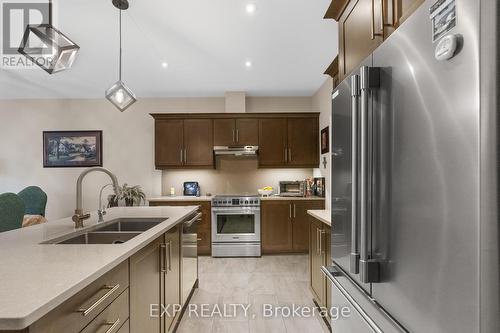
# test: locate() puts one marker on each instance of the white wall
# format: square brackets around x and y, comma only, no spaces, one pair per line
[128,142]
[322,102]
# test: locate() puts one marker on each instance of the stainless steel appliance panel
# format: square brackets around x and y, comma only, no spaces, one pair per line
[189,256]
[353,310]
[429,110]
[345,235]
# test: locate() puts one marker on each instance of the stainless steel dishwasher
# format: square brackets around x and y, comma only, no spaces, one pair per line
[189,256]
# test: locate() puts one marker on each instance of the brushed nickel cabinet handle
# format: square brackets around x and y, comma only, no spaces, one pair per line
[114,325]
[290,154]
[170,255]
[286,155]
[294,211]
[199,239]
[373,34]
[181,156]
[163,265]
[185,156]
[111,290]
[237,135]
[290,206]
[234,136]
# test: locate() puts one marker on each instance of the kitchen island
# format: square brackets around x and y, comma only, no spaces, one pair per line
[37,277]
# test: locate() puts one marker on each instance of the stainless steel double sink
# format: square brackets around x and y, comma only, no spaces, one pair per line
[112,232]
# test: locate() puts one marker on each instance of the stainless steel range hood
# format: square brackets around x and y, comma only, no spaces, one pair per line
[244,151]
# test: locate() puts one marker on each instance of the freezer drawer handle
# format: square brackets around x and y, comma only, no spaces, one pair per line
[110,290]
[355,94]
[331,273]
[368,268]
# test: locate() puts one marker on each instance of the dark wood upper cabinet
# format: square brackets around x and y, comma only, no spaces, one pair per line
[169,143]
[247,132]
[230,132]
[224,132]
[288,140]
[198,143]
[364,25]
[356,38]
[272,139]
[183,143]
[303,142]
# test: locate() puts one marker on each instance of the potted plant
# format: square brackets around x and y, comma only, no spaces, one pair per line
[132,195]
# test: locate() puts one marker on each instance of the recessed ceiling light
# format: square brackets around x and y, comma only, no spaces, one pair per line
[164,64]
[248,64]
[250,8]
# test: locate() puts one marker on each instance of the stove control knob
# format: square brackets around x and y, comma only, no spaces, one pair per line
[246,202]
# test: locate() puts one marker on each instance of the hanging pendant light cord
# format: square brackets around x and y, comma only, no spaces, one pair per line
[50,13]
[120,62]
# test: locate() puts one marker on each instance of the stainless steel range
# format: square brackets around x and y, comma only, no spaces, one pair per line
[236,226]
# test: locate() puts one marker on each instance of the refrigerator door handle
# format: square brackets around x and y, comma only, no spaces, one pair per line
[355,94]
[369,268]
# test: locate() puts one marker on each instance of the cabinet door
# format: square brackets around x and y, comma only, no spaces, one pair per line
[404,8]
[355,33]
[301,220]
[272,142]
[328,256]
[145,267]
[198,143]
[204,230]
[247,132]
[316,260]
[276,226]
[169,143]
[224,132]
[303,142]
[171,277]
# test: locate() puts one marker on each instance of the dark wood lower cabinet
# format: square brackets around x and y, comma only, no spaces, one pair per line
[319,255]
[145,287]
[277,234]
[301,222]
[285,225]
[204,226]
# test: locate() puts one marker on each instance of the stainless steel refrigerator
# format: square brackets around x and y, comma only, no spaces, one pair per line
[415,178]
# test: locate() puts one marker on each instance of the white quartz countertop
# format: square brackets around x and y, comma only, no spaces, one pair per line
[324,216]
[207,198]
[291,198]
[35,278]
[168,198]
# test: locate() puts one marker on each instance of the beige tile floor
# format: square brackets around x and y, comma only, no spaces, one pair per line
[276,280]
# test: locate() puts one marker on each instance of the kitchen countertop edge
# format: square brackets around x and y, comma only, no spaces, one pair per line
[323,215]
[26,319]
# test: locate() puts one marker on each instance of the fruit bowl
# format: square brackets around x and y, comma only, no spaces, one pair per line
[265,193]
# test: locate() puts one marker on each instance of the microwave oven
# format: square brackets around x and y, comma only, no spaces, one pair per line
[292,188]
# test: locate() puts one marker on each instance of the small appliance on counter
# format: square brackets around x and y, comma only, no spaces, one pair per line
[319,187]
[191,189]
[292,188]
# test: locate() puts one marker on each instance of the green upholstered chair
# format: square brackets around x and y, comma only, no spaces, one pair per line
[11,211]
[35,200]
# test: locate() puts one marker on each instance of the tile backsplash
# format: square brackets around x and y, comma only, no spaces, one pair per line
[232,176]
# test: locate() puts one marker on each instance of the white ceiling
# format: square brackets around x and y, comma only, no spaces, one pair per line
[205,43]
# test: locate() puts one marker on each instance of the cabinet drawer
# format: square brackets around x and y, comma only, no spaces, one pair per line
[74,314]
[112,318]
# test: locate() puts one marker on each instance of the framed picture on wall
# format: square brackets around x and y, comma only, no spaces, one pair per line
[66,149]
[325,140]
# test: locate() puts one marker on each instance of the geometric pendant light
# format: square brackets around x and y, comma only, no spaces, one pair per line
[48,47]
[119,94]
